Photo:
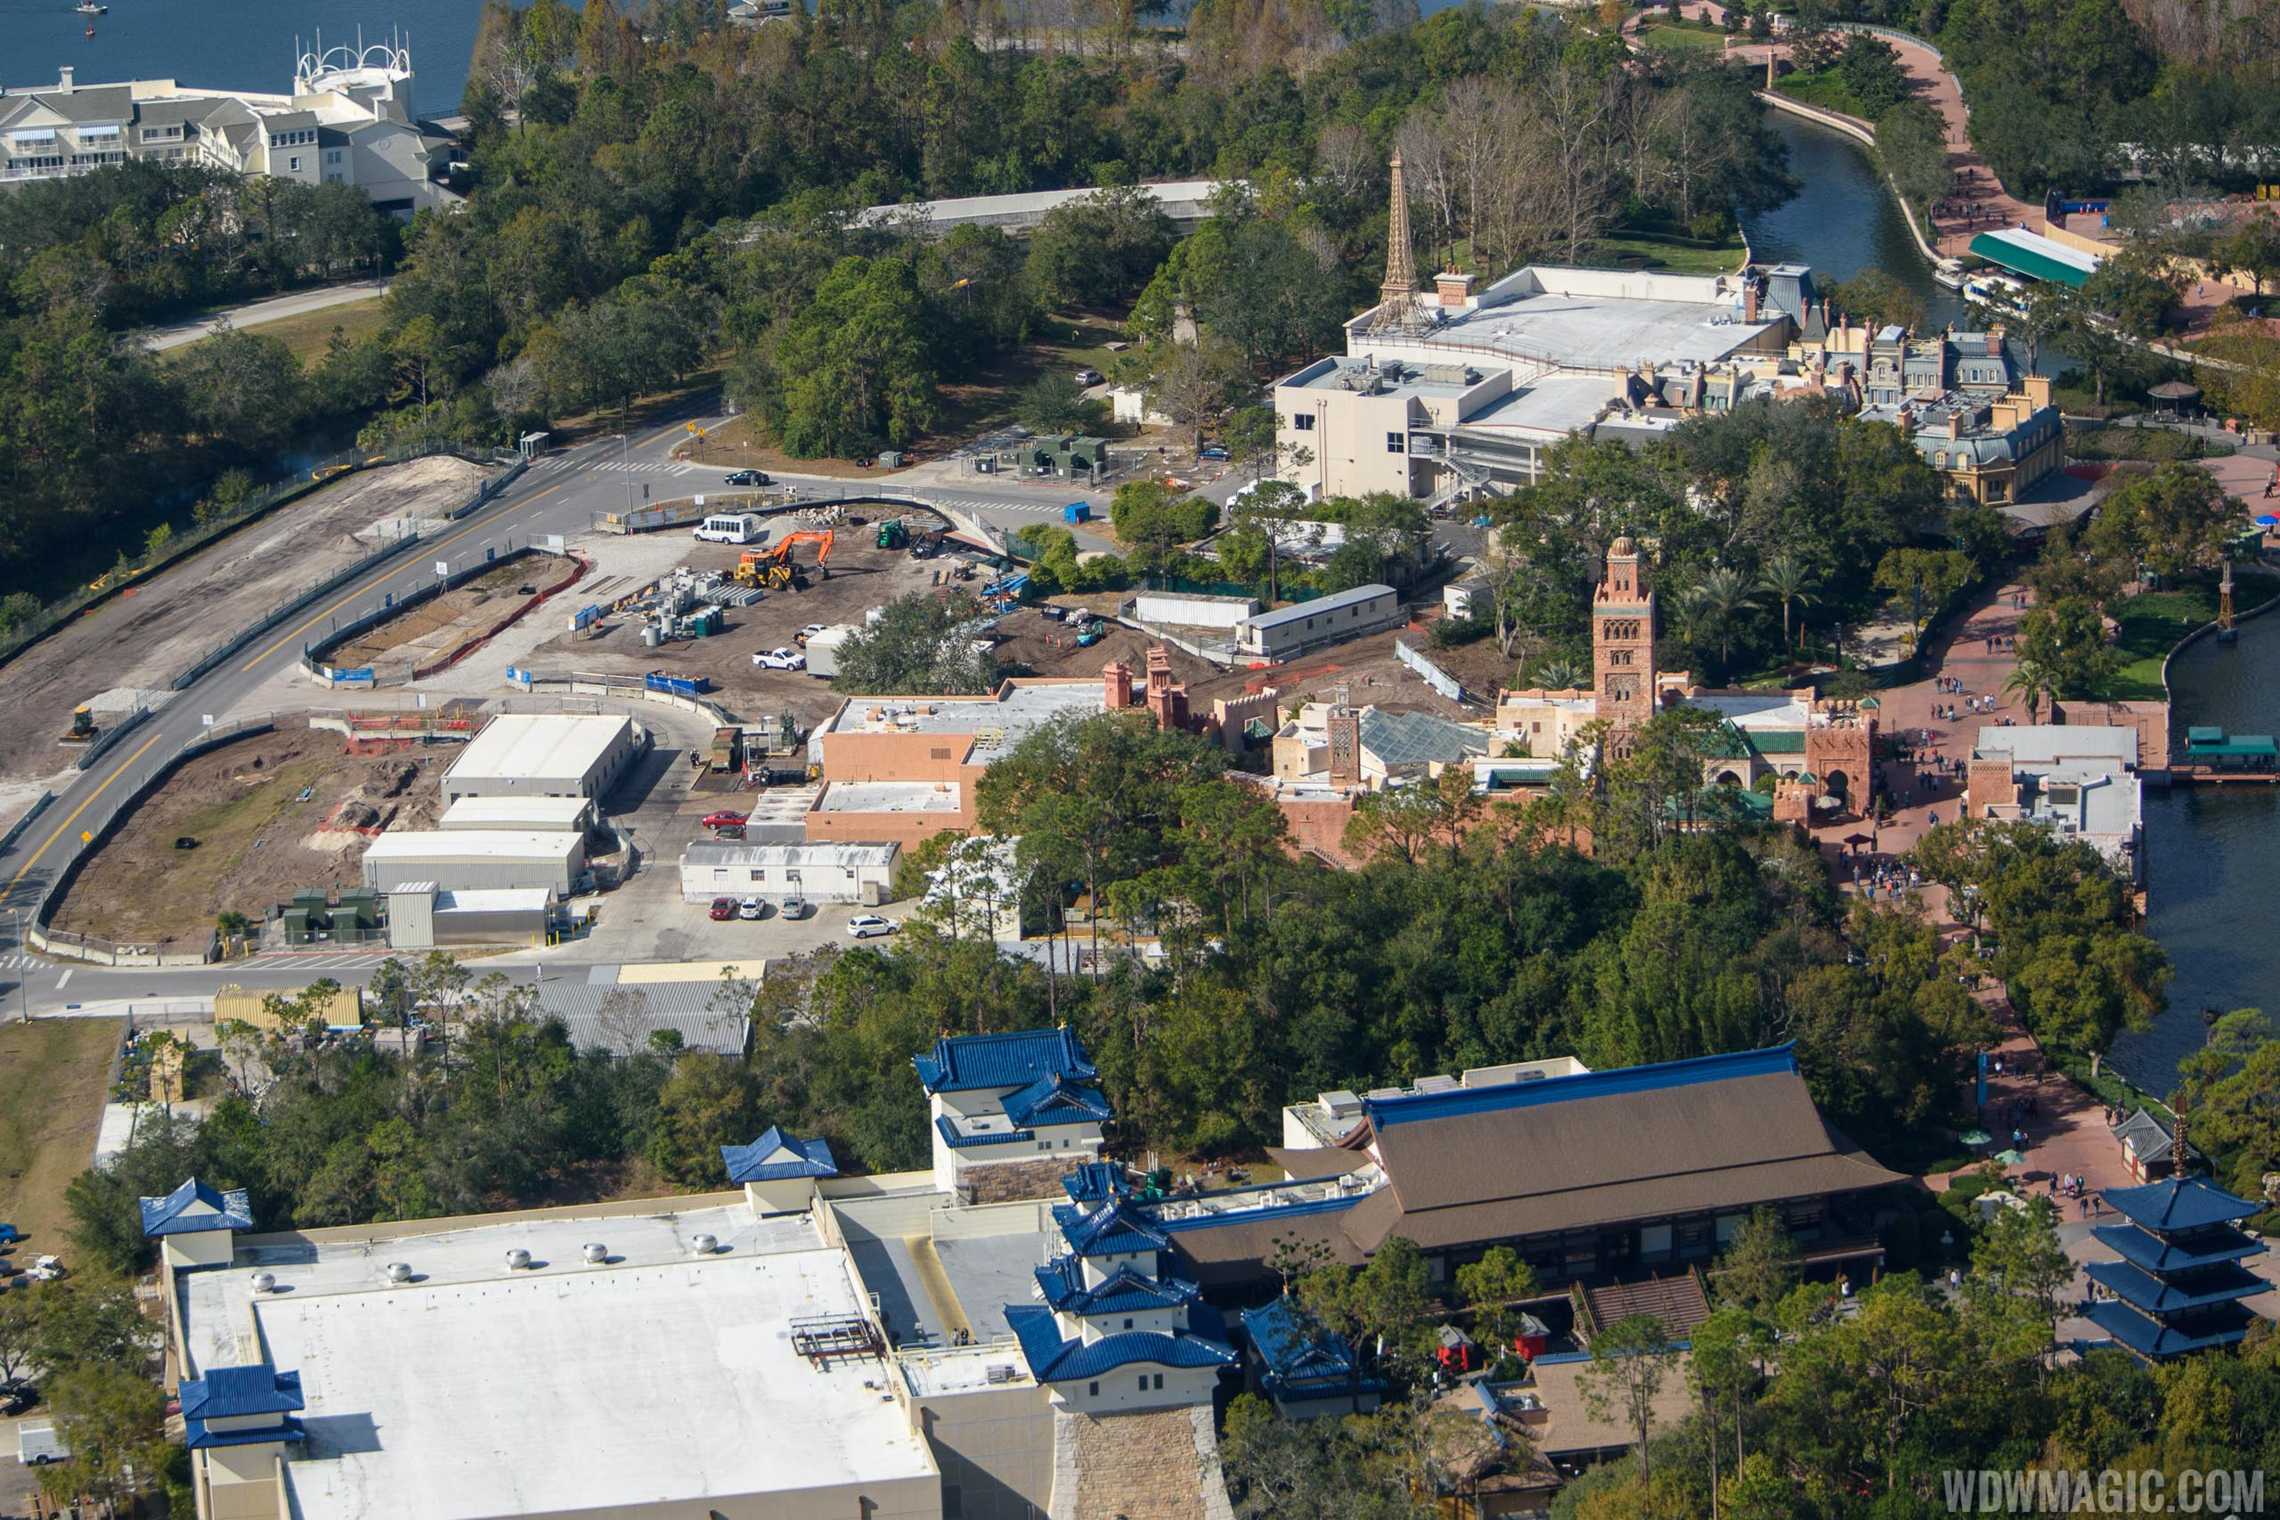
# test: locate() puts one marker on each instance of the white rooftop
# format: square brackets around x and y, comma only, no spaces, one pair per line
[472,844]
[2058,743]
[1756,709]
[997,722]
[525,746]
[1593,319]
[495,900]
[1027,205]
[1555,405]
[658,1379]
[706,852]
[889,797]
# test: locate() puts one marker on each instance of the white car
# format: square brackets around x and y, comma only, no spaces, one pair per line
[780,659]
[750,908]
[809,632]
[869,926]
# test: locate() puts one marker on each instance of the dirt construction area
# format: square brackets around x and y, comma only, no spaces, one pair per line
[270,816]
[432,630]
[140,640]
[863,576]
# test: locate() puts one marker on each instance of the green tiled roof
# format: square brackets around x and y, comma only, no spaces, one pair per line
[1777,741]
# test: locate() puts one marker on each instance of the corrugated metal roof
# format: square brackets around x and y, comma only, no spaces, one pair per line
[1321,604]
[2035,256]
[684,1007]
[227,1392]
[474,844]
[526,746]
[194,1208]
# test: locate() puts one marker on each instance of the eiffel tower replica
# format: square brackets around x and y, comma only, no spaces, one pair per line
[1399,309]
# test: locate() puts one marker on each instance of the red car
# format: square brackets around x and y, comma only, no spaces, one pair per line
[724,820]
[723,908]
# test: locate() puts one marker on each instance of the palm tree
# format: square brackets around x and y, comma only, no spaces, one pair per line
[1559,675]
[2031,681]
[1784,577]
[1717,599]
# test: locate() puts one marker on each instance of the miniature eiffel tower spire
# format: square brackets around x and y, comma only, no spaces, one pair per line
[1398,295]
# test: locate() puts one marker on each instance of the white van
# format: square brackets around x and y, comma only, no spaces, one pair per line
[732,528]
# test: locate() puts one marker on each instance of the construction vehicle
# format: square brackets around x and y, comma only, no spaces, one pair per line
[82,725]
[774,569]
[892,534]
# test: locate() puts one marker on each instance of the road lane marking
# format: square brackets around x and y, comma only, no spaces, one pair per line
[88,802]
[288,637]
[62,981]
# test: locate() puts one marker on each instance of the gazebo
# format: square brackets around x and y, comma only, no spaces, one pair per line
[2176,397]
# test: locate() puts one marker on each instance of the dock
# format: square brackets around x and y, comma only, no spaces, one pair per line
[2213,756]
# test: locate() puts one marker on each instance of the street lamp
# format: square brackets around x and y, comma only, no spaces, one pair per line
[625,466]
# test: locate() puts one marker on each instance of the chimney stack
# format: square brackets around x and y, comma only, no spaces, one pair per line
[1454,289]
[1116,682]
[63,79]
[1749,299]
[1954,423]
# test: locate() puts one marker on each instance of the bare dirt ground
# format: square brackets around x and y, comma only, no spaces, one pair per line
[862,577]
[440,624]
[148,635]
[259,841]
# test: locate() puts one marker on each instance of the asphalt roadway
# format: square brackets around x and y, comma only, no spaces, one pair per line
[560,494]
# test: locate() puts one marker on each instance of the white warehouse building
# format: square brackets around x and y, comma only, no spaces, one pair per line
[545,815]
[850,873]
[1292,630]
[472,860]
[545,755]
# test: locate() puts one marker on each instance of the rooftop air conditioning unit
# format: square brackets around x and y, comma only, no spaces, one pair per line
[596,1254]
[1003,1373]
[518,1260]
[703,1245]
[265,1282]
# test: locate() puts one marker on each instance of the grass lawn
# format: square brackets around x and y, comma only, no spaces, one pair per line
[1820,87]
[309,332]
[1646,250]
[1666,35]
[2151,625]
[2153,445]
[51,1104]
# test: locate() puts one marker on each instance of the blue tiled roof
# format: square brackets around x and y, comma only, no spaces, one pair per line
[2216,1285]
[776,1157]
[2156,1255]
[2179,1204]
[957,1142]
[1297,1350]
[962,1063]
[1062,1281]
[1055,1100]
[1413,1107]
[1096,1180]
[1054,1360]
[227,1392]
[2156,1341]
[197,1435]
[1112,1229]
[175,1214]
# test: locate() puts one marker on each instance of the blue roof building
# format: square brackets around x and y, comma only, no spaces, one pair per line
[241,1406]
[1012,1113]
[2179,1286]
[779,1172]
[194,1225]
[1306,1368]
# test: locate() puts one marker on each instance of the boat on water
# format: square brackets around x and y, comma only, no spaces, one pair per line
[92,8]
[1999,291]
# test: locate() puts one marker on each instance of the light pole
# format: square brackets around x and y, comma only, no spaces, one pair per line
[625,466]
[24,982]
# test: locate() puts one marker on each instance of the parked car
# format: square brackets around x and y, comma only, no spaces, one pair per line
[17,1398]
[791,908]
[725,820]
[780,659]
[1054,611]
[1088,377]
[809,632]
[869,926]
[723,909]
[1213,451]
[9,1235]
[751,908]
[747,478]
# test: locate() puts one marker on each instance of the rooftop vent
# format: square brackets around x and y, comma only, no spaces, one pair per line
[265,1282]
[518,1260]
[399,1271]
[1003,1373]
[596,1254]
[704,1245]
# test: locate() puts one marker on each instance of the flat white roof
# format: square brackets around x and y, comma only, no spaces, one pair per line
[540,813]
[494,900]
[473,844]
[1357,597]
[658,1379]
[889,797]
[1755,709]
[850,856]
[2057,743]
[527,746]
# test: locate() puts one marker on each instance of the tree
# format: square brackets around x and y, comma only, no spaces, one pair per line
[1055,403]
[85,1322]
[2253,249]
[19,1335]
[1911,141]
[1630,1361]
[1492,1287]
[2135,293]
[112,1420]
[1870,68]
[2173,521]
[850,370]
[1100,248]
[243,388]
[2066,641]
[919,646]
[1789,581]
[1720,597]
[709,1101]
[1194,384]
[1876,299]
[1759,1265]
[2018,1257]
[1926,577]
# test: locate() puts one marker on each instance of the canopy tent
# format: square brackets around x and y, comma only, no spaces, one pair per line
[2035,256]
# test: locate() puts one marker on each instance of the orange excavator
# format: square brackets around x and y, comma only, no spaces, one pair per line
[773,568]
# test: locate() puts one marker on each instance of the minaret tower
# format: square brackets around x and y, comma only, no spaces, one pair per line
[1623,642]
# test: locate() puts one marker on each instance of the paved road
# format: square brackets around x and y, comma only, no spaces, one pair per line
[255,313]
[559,495]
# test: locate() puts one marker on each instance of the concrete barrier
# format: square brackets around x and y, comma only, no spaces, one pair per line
[16,829]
